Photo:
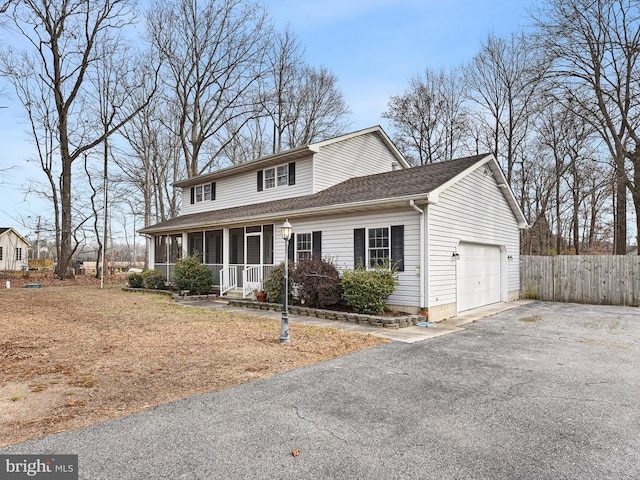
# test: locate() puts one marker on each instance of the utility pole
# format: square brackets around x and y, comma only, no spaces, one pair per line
[38,240]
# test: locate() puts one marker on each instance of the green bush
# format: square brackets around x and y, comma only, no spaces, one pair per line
[317,283]
[190,274]
[366,291]
[274,284]
[154,280]
[135,280]
[148,273]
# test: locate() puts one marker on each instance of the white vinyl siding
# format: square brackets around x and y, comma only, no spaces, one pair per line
[354,157]
[241,189]
[337,244]
[472,210]
[14,252]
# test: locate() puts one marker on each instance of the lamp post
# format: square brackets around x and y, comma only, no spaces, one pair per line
[286,230]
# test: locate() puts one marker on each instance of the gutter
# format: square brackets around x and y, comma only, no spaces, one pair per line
[413,205]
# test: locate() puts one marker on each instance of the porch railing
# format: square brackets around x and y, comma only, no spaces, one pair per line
[228,279]
[251,279]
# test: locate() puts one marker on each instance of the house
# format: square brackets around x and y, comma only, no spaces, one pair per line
[452,228]
[14,250]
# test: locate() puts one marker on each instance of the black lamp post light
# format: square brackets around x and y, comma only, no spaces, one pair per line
[286,230]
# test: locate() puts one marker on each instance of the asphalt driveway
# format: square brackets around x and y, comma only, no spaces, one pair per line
[542,391]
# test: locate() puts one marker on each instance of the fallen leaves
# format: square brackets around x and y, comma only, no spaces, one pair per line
[118,352]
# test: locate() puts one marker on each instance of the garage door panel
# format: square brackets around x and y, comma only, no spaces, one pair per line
[479,278]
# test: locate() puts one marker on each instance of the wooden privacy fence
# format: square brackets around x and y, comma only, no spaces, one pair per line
[601,280]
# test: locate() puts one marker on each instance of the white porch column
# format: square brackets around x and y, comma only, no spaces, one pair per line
[151,252]
[225,247]
[185,246]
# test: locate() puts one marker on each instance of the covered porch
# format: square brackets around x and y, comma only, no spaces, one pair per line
[240,258]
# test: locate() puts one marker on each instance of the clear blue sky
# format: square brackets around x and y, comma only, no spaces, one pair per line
[372,46]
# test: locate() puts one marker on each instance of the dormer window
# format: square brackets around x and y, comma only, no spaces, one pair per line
[279,176]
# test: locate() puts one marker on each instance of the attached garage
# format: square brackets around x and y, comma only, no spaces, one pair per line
[479,273]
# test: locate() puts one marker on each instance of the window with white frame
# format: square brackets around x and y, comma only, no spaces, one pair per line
[19,254]
[283,175]
[206,192]
[270,178]
[378,246]
[303,246]
[203,193]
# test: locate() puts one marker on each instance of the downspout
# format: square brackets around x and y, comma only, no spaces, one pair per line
[413,205]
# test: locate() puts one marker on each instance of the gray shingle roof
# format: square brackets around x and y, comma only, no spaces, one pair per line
[389,185]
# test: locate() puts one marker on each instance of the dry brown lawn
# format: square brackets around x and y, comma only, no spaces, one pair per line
[72,355]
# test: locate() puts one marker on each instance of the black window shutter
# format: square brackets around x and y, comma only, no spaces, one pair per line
[213,191]
[292,248]
[193,195]
[260,182]
[292,173]
[397,247]
[316,245]
[359,256]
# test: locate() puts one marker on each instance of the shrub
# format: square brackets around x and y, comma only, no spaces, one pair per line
[148,273]
[274,284]
[154,280]
[190,274]
[366,291]
[317,282]
[135,280]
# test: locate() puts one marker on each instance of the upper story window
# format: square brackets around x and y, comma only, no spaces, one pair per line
[203,193]
[279,176]
[270,178]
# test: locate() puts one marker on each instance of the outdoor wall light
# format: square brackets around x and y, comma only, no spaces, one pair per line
[286,230]
[455,255]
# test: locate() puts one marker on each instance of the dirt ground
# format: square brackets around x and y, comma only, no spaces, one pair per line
[72,354]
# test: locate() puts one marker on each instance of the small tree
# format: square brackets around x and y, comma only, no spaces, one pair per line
[366,291]
[190,274]
[318,283]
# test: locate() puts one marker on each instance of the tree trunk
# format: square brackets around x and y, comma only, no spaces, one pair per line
[620,222]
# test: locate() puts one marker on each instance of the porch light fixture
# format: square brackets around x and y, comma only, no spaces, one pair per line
[286,230]
[455,255]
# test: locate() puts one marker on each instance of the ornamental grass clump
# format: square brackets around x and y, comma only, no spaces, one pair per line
[366,291]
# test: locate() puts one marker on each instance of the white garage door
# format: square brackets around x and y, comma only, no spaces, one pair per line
[478,275]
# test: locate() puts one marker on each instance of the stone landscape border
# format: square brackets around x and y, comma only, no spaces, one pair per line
[359,318]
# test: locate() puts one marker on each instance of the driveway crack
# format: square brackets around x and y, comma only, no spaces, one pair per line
[318,426]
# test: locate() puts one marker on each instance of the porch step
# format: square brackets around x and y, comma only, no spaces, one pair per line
[236,293]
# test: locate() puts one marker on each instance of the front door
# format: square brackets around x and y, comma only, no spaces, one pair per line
[253,258]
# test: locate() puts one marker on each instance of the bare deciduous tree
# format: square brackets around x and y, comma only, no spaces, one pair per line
[429,118]
[214,56]
[503,81]
[594,49]
[51,78]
